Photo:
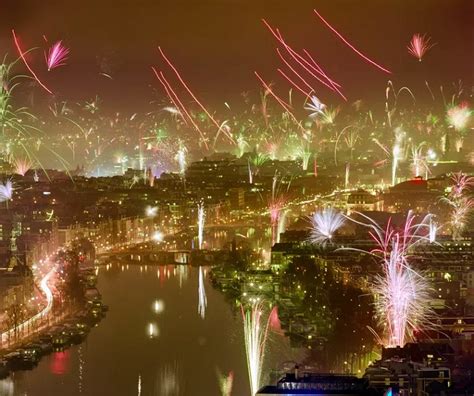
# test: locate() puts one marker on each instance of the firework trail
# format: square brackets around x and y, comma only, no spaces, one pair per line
[175,100]
[306,94]
[311,68]
[294,71]
[171,95]
[419,45]
[192,94]
[282,103]
[324,225]
[351,46]
[202,298]
[201,221]
[57,55]
[22,56]
[255,333]
[403,293]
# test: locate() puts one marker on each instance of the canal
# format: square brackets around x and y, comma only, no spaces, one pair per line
[153,341]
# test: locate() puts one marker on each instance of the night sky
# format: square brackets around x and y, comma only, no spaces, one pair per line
[217,44]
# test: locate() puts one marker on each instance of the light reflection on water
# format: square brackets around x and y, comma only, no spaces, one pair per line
[153,342]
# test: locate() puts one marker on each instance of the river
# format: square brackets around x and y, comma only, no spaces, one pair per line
[152,342]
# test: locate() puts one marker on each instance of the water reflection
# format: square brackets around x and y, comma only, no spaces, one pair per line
[170,380]
[158,306]
[202,299]
[7,387]
[152,343]
[152,330]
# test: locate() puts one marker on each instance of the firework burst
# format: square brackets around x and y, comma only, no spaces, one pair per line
[419,45]
[57,55]
[324,224]
[6,191]
[402,294]
[459,116]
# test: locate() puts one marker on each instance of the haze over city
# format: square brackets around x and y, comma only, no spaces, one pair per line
[236,198]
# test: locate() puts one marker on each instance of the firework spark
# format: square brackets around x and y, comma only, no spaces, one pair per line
[57,55]
[419,45]
[325,223]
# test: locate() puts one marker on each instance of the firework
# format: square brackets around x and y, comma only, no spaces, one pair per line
[419,45]
[346,180]
[316,107]
[151,211]
[201,222]
[419,162]
[181,158]
[328,115]
[280,101]
[57,55]
[275,206]
[191,93]
[350,45]
[22,56]
[6,191]
[461,183]
[461,208]
[255,333]
[461,205]
[325,223]
[311,68]
[22,166]
[459,116]
[293,83]
[395,158]
[403,293]
[433,230]
[305,154]
[202,299]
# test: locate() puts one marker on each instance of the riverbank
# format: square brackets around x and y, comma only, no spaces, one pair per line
[69,329]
